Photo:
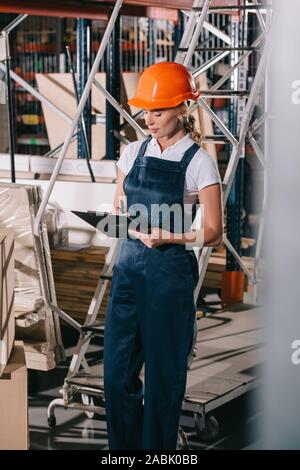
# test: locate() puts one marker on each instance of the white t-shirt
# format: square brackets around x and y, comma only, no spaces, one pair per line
[202,171]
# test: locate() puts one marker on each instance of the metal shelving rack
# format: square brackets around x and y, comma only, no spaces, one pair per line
[201,402]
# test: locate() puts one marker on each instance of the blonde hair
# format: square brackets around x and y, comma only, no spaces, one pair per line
[189,123]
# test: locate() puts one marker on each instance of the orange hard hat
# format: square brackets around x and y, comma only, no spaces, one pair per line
[164,85]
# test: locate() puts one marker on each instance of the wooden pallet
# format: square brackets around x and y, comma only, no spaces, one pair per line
[217,265]
[76,275]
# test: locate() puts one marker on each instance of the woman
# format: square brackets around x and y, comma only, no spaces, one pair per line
[151,311]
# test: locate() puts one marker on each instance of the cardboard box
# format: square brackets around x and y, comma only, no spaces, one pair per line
[59,89]
[7,283]
[14,433]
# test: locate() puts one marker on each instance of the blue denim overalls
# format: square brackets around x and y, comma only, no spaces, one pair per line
[149,319]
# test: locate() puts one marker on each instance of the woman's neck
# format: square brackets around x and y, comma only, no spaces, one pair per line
[167,141]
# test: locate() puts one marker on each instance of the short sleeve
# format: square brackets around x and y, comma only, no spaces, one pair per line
[122,163]
[128,156]
[207,173]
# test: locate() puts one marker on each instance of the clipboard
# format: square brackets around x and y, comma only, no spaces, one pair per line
[112,225]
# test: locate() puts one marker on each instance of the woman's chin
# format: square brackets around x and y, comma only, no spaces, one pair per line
[157,135]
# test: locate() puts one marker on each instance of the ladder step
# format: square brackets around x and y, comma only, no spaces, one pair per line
[105,276]
[96,327]
[86,380]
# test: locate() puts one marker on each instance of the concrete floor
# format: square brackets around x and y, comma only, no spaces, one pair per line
[238,420]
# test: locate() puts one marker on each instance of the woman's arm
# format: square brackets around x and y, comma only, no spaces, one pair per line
[119,199]
[211,233]
[211,201]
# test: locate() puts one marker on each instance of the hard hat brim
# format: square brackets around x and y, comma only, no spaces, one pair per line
[138,102]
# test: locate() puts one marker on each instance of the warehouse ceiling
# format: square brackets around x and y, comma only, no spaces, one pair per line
[96,9]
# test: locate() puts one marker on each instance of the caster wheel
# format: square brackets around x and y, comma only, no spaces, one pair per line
[182,441]
[211,430]
[52,421]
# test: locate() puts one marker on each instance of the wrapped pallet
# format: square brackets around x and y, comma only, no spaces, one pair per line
[36,323]
[7,282]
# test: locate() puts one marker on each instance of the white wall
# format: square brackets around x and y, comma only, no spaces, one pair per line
[281,398]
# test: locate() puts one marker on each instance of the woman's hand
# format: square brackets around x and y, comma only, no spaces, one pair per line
[115,210]
[118,211]
[156,237]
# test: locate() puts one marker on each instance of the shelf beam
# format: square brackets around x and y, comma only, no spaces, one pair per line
[97,9]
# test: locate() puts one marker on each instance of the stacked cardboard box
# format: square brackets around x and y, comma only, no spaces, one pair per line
[14,433]
[59,89]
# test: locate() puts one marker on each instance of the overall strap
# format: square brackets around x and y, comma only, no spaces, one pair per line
[188,155]
[144,146]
